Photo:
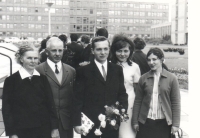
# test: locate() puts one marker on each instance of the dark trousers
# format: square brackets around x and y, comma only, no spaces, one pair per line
[65,133]
[38,132]
[154,129]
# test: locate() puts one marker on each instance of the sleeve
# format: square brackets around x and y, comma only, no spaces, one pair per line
[137,102]
[78,98]
[50,104]
[7,106]
[137,74]
[175,103]
[122,95]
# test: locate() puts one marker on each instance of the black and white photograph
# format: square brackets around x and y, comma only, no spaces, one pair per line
[98,69]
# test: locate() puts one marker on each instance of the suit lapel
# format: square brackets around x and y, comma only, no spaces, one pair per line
[96,72]
[65,74]
[50,73]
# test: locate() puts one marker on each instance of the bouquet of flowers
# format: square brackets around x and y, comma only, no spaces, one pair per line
[113,115]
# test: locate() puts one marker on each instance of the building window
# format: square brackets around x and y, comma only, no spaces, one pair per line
[111,12]
[79,20]
[85,28]
[91,11]
[111,5]
[85,20]
[36,9]
[136,5]
[79,28]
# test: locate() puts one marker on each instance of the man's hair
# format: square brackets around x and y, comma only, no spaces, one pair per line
[102,32]
[139,43]
[85,39]
[74,37]
[53,40]
[99,39]
[63,37]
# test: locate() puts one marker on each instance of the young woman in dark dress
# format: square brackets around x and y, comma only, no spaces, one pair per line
[27,103]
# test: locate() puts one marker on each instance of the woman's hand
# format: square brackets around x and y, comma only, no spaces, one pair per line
[14,136]
[136,128]
[174,129]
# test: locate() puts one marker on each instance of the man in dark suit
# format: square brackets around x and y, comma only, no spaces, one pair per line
[86,55]
[98,84]
[76,49]
[61,78]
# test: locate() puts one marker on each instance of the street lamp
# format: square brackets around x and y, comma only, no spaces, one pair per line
[49,4]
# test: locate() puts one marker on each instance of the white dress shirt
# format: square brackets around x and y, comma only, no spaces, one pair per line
[99,65]
[24,73]
[52,65]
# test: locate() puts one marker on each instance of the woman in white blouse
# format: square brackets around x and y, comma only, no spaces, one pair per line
[122,49]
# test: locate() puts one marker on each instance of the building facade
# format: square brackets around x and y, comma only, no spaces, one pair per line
[179,29]
[29,18]
[129,17]
[160,30]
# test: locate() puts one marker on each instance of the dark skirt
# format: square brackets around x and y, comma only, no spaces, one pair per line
[154,129]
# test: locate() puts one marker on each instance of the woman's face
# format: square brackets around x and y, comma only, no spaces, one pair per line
[154,62]
[30,60]
[123,54]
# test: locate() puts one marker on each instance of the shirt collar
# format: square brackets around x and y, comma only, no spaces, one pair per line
[24,74]
[52,65]
[163,73]
[99,64]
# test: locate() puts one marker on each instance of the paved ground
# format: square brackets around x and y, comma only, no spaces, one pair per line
[184,116]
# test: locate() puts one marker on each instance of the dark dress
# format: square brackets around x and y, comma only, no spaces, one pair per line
[140,58]
[28,108]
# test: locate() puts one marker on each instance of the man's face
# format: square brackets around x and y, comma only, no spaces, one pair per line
[101,51]
[55,52]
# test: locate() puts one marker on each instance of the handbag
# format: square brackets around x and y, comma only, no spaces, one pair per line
[178,134]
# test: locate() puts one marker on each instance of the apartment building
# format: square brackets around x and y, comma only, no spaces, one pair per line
[160,30]
[30,18]
[179,28]
[129,17]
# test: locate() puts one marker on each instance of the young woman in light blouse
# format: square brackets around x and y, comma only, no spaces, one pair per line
[121,51]
[156,110]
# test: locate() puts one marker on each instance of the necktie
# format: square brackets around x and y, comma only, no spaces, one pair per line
[104,73]
[56,70]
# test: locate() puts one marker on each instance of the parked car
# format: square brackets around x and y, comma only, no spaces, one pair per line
[12,40]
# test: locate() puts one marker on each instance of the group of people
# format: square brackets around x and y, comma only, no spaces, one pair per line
[46,100]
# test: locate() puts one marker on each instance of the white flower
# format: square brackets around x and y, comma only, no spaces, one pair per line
[116,111]
[113,122]
[117,103]
[123,110]
[103,124]
[97,132]
[102,117]
[105,106]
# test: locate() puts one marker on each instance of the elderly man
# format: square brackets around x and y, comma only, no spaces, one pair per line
[61,78]
[98,84]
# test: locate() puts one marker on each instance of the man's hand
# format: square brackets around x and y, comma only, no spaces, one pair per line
[14,136]
[78,129]
[55,133]
[136,128]
[174,129]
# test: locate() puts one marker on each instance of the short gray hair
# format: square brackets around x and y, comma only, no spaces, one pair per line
[53,40]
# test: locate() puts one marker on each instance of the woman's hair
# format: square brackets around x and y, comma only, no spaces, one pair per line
[157,52]
[139,43]
[22,50]
[120,41]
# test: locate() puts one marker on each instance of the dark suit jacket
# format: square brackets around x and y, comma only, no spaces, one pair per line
[86,54]
[92,93]
[77,49]
[62,93]
[27,103]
